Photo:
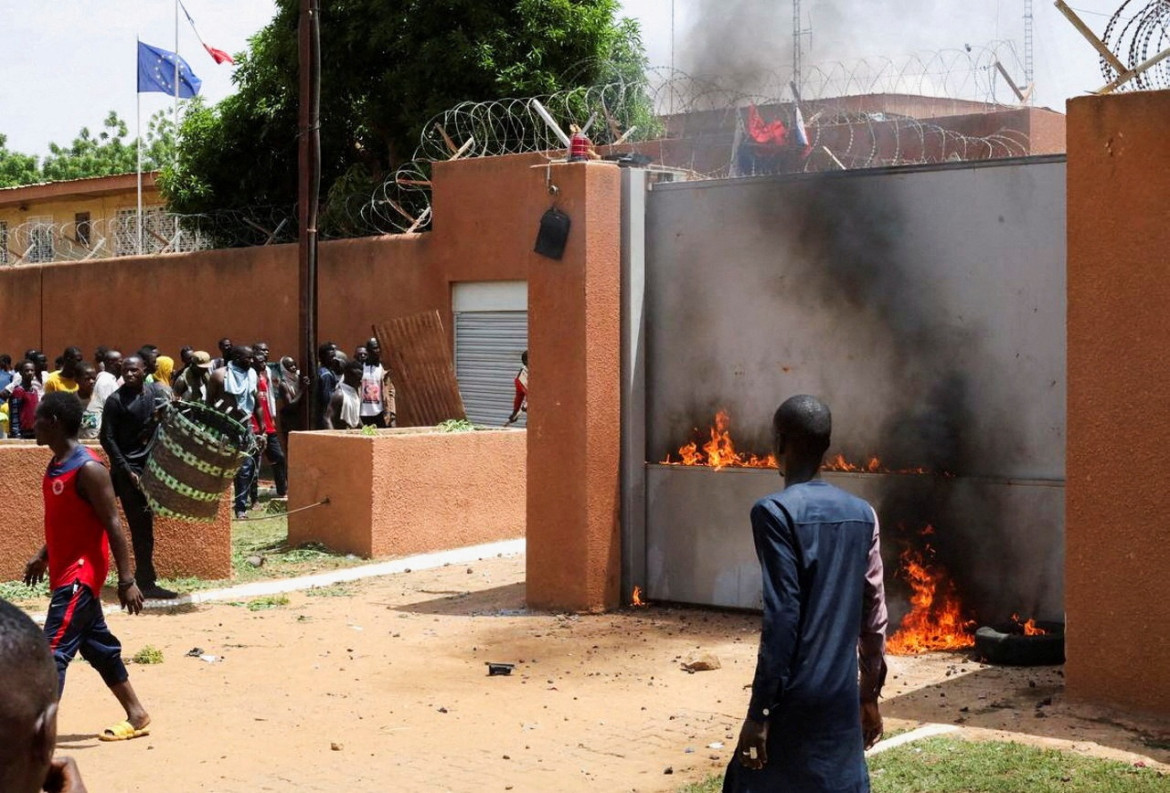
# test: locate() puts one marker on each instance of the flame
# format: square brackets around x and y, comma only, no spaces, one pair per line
[636,598]
[719,452]
[935,621]
[1029,628]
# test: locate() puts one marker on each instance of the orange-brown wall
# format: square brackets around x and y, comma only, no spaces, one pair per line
[482,233]
[404,491]
[574,421]
[181,548]
[1117,586]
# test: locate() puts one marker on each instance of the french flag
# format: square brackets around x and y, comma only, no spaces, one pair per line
[800,134]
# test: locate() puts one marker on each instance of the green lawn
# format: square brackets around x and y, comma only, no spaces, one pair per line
[951,765]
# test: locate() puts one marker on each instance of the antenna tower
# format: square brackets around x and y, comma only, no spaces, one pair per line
[1029,66]
[798,32]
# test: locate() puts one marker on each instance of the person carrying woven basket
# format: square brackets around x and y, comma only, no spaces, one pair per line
[127,428]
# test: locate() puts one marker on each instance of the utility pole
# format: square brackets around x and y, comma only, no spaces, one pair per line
[308,192]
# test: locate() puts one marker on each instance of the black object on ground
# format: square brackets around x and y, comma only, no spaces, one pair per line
[1006,644]
[499,668]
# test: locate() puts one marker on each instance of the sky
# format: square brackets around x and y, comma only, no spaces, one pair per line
[67,63]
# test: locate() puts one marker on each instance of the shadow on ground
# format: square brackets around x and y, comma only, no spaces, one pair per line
[1028,700]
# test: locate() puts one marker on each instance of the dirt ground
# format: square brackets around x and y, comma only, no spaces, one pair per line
[382,685]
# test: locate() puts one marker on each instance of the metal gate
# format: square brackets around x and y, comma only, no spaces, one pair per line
[911,299]
[487,357]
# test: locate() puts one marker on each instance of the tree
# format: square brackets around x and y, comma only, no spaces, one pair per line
[109,152]
[387,67]
[16,168]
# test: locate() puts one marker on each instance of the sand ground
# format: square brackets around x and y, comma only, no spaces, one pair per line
[382,685]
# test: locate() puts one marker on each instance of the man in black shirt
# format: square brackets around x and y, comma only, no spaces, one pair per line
[127,428]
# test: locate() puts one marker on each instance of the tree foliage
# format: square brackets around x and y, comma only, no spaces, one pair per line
[110,151]
[16,168]
[387,67]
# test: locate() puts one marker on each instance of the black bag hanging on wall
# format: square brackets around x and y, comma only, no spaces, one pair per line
[553,234]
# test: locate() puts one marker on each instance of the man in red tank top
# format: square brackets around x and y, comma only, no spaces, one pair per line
[82,527]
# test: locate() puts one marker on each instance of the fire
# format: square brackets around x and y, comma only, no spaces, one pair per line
[935,621]
[636,598]
[1029,628]
[719,452]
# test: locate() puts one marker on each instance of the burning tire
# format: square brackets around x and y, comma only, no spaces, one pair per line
[1007,645]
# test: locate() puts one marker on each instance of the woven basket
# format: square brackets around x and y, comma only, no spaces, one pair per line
[194,456]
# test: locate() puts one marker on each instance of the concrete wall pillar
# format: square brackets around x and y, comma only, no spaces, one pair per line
[574,419]
[1117,591]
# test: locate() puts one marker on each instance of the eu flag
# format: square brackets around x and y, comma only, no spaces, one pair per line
[156,72]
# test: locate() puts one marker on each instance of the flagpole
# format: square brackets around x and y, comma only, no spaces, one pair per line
[176,66]
[138,128]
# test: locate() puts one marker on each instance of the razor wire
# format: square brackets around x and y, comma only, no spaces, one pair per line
[655,114]
[1136,35]
[42,241]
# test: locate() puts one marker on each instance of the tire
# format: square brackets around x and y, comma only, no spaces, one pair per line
[1000,645]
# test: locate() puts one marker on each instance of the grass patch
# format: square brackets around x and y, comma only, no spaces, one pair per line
[335,591]
[712,784]
[951,765]
[267,539]
[16,591]
[267,602]
[148,655]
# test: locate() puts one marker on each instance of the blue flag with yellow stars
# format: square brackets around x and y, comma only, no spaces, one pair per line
[156,72]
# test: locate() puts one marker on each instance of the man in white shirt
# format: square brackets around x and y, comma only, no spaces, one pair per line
[373,385]
[108,379]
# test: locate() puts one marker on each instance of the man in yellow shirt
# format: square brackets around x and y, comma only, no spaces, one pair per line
[65,378]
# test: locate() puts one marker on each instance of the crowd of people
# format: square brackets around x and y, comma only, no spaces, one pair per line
[122,396]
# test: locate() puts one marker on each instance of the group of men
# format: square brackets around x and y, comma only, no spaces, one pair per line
[353,392]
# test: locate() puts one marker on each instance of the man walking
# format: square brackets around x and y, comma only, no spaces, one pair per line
[809,722]
[81,529]
[128,425]
[520,402]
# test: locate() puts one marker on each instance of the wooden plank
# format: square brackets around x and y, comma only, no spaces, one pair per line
[416,350]
[1091,37]
[1122,79]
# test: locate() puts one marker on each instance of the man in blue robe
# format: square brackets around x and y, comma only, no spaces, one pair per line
[810,719]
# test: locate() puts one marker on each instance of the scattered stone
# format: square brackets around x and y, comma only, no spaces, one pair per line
[668,770]
[702,663]
[442,710]
[335,746]
[255,561]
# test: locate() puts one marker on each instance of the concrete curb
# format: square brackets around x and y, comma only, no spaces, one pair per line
[925,731]
[425,561]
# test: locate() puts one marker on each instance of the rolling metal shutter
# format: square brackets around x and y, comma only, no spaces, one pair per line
[487,357]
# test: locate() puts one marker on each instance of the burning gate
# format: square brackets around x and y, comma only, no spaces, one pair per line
[926,306]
